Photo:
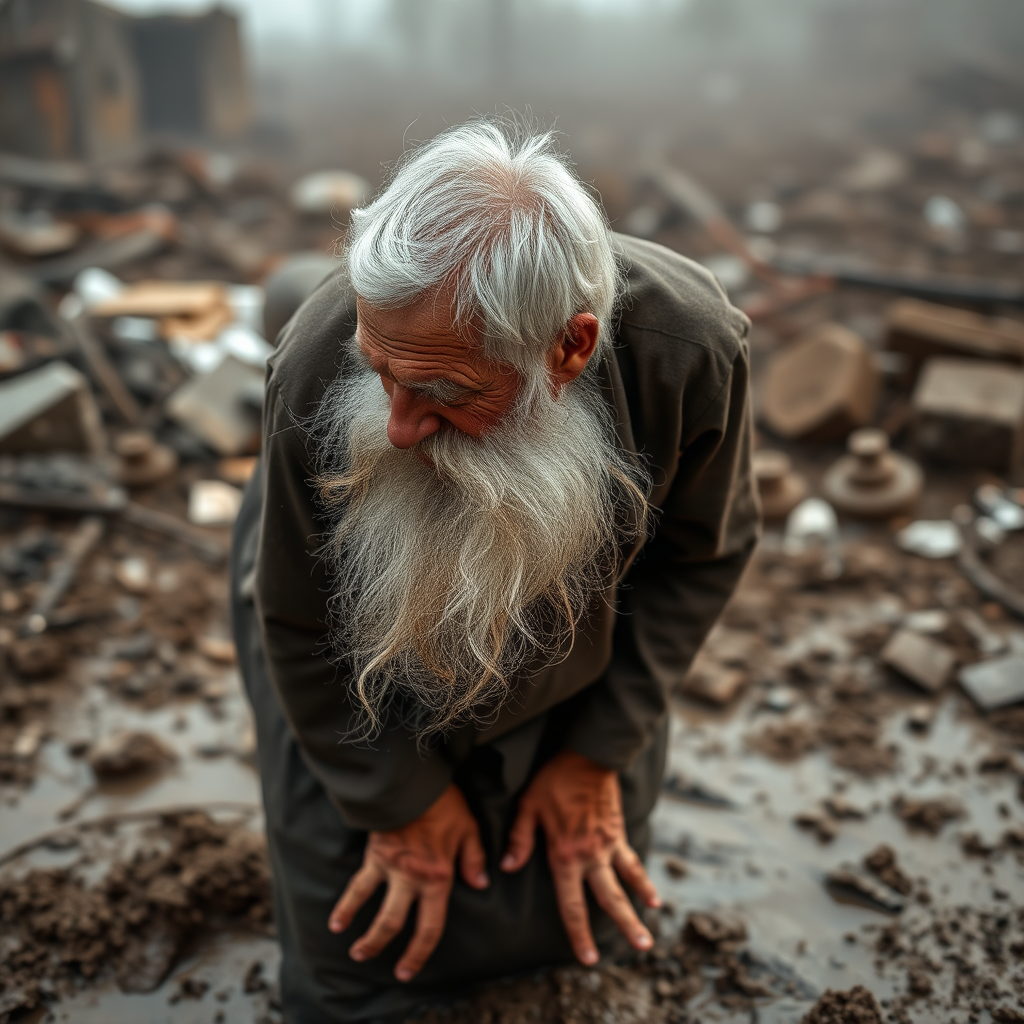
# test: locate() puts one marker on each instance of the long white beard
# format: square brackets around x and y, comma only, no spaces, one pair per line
[451,578]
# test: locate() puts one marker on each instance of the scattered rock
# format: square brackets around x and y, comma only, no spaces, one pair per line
[254,980]
[714,928]
[818,822]
[925,662]
[37,657]
[676,867]
[881,862]
[1007,1015]
[134,575]
[995,683]
[849,884]
[128,753]
[855,1006]
[841,808]
[784,741]
[927,815]
[918,982]
[920,717]
[217,649]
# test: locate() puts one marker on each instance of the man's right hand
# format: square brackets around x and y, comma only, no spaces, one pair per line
[418,863]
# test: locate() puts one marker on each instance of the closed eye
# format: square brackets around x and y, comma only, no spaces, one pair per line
[443,392]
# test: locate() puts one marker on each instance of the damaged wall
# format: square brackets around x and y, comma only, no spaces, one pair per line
[80,80]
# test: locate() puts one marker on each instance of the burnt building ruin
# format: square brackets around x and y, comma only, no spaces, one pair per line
[80,80]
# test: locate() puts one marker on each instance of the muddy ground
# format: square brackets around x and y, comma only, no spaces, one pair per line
[833,845]
[824,763]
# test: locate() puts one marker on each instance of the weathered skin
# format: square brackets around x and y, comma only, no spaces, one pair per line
[433,375]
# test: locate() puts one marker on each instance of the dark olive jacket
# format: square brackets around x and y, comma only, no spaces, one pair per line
[678,380]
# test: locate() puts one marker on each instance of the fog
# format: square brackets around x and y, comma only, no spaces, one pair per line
[350,81]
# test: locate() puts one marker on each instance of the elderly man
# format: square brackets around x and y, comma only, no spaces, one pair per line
[503,495]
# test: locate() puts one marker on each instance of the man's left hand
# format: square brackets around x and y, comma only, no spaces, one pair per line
[578,803]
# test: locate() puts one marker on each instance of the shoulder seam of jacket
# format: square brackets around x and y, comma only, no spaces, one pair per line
[682,337]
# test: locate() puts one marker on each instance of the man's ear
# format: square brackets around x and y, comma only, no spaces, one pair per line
[571,353]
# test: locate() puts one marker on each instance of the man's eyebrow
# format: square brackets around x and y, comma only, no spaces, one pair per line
[441,389]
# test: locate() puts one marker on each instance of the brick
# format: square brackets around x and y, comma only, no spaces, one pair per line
[926,663]
[970,413]
[921,330]
[820,387]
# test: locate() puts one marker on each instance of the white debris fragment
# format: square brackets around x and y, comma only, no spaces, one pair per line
[930,538]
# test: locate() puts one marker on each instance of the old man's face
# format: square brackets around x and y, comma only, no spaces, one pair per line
[432,375]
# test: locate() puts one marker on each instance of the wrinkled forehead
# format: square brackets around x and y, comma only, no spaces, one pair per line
[420,337]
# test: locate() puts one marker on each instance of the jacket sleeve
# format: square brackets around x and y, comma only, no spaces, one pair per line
[672,596]
[376,787]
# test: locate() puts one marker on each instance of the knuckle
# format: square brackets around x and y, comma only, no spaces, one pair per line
[565,853]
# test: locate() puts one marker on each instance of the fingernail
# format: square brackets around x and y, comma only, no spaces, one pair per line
[590,957]
[482,880]
[403,973]
[356,954]
[336,926]
[643,941]
[508,862]
[655,902]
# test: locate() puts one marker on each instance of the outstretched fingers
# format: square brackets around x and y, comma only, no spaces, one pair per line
[631,868]
[613,900]
[388,923]
[572,905]
[430,919]
[362,885]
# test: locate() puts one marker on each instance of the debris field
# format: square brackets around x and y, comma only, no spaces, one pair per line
[841,833]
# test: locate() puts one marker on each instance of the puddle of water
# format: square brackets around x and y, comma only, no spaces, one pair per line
[64,783]
[220,961]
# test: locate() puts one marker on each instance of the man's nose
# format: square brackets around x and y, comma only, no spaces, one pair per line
[411,419]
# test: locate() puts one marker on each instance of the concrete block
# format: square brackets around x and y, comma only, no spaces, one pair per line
[820,387]
[926,663]
[49,410]
[222,407]
[995,683]
[970,413]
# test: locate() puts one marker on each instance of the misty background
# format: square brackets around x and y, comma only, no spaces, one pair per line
[348,82]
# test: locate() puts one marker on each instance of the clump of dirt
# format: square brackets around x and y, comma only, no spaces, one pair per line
[37,657]
[854,1006]
[882,863]
[129,753]
[929,816]
[57,930]
[1010,721]
[849,732]
[987,945]
[852,731]
[784,741]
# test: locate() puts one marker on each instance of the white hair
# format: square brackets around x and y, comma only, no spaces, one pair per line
[490,211]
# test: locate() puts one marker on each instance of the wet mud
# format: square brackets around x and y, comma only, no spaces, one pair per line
[831,827]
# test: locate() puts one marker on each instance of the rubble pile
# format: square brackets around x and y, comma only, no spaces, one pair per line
[846,748]
[60,930]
